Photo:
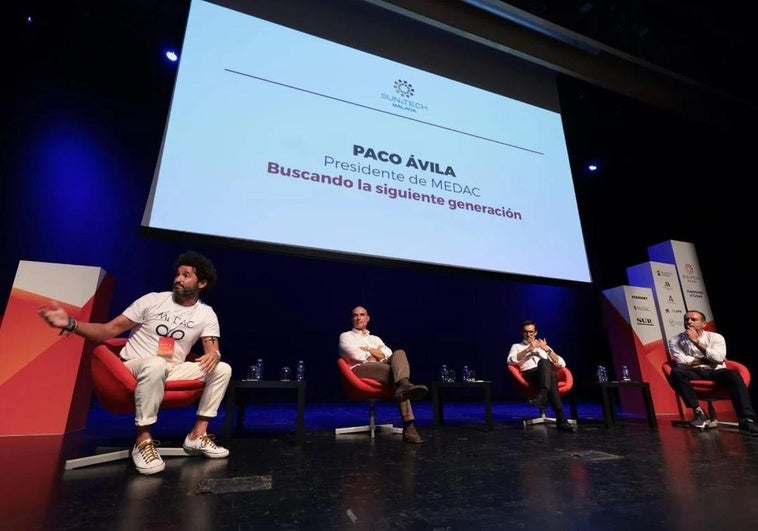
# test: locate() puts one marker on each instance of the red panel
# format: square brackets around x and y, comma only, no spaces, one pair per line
[44,379]
[643,360]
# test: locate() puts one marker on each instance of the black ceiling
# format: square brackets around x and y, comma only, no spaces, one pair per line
[710,44]
[704,41]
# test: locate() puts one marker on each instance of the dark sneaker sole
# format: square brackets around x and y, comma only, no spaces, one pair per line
[566,427]
[414,394]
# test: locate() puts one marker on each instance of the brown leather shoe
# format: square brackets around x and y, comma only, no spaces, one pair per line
[408,391]
[410,435]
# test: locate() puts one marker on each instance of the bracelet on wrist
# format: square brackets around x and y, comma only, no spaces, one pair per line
[71,327]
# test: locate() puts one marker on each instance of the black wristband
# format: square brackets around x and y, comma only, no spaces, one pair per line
[70,327]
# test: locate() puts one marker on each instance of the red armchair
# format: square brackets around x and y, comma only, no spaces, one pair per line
[528,391]
[113,385]
[708,390]
[367,389]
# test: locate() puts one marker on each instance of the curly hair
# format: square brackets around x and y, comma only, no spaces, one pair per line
[204,268]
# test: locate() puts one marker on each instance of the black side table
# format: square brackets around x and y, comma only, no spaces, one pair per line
[609,401]
[235,397]
[484,386]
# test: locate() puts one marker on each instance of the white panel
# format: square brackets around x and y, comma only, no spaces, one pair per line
[637,305]
[663,280]
[684,256]
[71,284]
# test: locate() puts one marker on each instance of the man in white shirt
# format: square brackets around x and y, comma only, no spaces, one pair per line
[535,358]
[369,357]
[164,327]
[700,355]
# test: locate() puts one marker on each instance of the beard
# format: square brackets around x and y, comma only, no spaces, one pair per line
[183,293]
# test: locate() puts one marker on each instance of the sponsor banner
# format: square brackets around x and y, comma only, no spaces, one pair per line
[663,280]
[636,340]
[684,256]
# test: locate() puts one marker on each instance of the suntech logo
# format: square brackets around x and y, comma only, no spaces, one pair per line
[402,97]
[403,88]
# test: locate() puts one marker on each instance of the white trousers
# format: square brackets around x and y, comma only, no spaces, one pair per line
[152,375]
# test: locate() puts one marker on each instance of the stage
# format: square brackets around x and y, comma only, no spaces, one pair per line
[463,476]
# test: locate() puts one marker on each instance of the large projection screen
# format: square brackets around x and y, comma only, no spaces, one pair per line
[280,136]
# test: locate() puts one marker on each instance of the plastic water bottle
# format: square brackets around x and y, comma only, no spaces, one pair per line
[464,376]
[443,373]
[300,371]
[259,363]
[602,374]
[625,377]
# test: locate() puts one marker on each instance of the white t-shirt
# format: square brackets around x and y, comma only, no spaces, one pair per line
[158,318]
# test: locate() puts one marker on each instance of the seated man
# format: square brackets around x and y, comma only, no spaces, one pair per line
[536,359]
[700,355]
[164,327]
[369,357]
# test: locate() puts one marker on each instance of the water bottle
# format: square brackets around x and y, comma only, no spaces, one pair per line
[260,368]
[602,375]
[625,376]
[300,371]
[464,376]
[443,373]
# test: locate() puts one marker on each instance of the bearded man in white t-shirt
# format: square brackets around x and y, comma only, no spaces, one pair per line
[163,328]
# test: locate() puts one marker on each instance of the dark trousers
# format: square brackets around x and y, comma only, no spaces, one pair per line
[731,380]
[543,377]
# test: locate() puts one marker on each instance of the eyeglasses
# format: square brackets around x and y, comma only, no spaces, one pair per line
[529,332]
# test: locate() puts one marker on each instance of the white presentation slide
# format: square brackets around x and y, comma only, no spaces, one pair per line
[279,137]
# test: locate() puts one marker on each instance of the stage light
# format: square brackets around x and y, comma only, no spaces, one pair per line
[172,56]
